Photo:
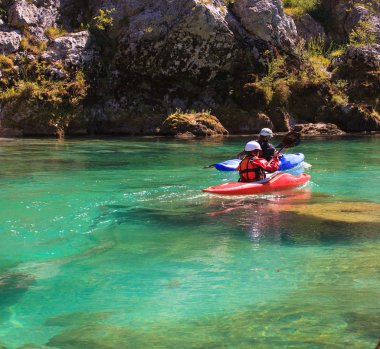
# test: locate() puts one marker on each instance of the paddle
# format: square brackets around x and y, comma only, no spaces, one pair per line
[291,139]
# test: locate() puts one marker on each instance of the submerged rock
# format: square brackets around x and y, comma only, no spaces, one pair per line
[78,318]
[348,212]
[192,125]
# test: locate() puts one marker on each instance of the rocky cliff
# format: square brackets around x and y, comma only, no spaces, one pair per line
[123,66]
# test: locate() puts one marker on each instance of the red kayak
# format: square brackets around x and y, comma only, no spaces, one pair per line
[281,181]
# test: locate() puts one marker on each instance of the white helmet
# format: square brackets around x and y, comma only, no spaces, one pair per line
[266,132]
[252,145]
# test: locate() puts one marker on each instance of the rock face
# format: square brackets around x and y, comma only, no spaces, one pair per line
[9,41]
[360,13]
[73,49]
[177,39]
[319,129]
[308,28]
[266,20]
[192,125]
[344,16]
[359,66]
[34,16]
[141,59]
[337,12]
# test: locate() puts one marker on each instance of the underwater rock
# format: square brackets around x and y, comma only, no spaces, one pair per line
[77,318]
[13,286]
[97,337]
[349,212]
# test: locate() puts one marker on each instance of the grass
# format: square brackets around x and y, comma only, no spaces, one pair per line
[6,64]
[53,32]
[296,8]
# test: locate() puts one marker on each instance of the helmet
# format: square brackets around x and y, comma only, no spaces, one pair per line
[266,132]
[251,146]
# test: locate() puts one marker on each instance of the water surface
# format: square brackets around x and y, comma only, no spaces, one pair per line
[112,244]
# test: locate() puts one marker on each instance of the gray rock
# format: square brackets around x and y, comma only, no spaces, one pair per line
[23,14]
[9,41]
[71,48]
[266,20]
[34,16]
[363,58]
[360,13]
[308,28]
[177,38]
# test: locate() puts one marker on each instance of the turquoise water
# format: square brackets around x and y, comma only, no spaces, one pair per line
[112,244]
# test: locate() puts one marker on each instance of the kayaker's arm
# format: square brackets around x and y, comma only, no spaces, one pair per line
[271,166]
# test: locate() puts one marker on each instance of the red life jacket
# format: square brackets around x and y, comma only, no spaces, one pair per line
[253,169]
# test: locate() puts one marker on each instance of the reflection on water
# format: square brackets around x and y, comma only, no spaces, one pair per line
[112,244]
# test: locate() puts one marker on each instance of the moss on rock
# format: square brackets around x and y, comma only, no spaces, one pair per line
[198,124]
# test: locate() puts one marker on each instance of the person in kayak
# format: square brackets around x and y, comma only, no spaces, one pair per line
[267,148]
[252,168]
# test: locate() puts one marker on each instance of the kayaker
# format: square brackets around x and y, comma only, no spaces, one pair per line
[267,148]
[252,168]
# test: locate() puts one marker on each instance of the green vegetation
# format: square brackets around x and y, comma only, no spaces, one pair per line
[363,34]
[30,44]
[47,100]
[296,8]
[104,19]
[6,64]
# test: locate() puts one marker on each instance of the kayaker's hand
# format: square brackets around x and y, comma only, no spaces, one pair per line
[276,154]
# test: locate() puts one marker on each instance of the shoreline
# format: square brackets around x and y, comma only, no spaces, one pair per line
[120,136]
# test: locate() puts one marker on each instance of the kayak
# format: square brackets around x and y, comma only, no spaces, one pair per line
[279,181]
[287,161]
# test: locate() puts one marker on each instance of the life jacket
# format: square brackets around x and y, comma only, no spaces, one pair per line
[253,169]
[249,171]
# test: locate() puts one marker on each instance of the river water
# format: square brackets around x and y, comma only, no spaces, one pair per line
[112,244]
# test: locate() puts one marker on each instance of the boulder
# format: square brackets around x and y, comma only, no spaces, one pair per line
[266,20]
[192,125]
[9,41]
[23,14]
[319,129]
[34,16]
[362,58]
[308,28]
